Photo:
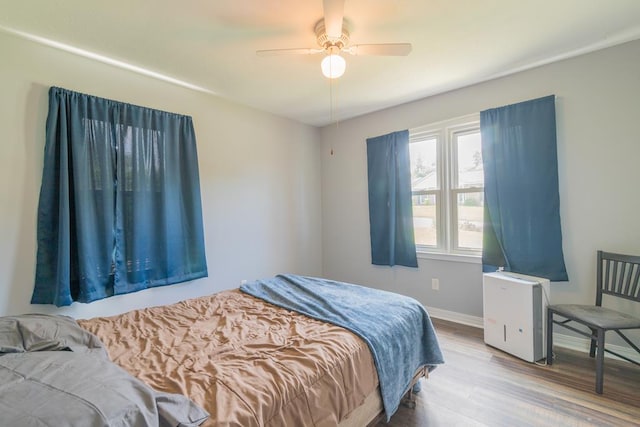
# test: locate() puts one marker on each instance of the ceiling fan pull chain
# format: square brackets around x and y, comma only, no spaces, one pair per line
[331,100]
[331,111]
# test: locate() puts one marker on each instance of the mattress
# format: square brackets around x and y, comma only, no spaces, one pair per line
[245,361]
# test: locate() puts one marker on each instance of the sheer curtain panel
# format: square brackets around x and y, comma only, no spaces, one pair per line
[522,230]
[120,206]
[390,209]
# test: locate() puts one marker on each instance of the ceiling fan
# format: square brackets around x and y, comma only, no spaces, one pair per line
[333,38]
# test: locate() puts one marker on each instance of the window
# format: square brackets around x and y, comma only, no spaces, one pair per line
[447,183]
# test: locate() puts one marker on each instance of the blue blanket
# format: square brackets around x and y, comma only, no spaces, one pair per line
[397,328]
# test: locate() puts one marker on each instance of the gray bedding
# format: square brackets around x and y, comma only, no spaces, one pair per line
[54,373]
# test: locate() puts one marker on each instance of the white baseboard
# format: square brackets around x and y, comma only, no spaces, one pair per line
[561,340]
[452,316]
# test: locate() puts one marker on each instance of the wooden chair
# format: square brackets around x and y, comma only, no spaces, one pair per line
[617,276]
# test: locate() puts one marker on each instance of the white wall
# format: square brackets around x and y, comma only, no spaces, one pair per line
[260,178]
[598,108]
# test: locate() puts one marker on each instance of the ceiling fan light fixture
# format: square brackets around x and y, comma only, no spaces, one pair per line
[333,66]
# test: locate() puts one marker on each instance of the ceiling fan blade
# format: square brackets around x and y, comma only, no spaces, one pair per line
[384,49]
[333,14]
[299,51]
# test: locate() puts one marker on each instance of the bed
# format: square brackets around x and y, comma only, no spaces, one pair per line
[55,374]
[279,352]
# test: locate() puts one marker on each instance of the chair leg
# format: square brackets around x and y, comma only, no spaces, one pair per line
[592,347]
[549,337]
[600,361]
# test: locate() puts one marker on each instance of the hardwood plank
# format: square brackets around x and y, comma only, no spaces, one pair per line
[483,386]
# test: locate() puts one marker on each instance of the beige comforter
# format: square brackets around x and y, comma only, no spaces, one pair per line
[247,362]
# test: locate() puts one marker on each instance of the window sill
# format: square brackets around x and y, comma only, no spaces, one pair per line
[471,259]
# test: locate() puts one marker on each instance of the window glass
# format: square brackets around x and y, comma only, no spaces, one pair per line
[424,164]
[469,155]
[470,217]
[424,186]
[425,220]
[469,173]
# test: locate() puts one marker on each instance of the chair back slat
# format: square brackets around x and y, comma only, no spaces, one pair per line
[635,289]
[629,276]
[615,280]
[621,276]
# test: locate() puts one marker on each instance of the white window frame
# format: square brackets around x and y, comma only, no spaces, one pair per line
[446,194]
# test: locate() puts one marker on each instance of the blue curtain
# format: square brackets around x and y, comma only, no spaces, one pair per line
[522,205]
[120,207]
[390,209]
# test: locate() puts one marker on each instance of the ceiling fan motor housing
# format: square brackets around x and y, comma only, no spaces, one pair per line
[325,42]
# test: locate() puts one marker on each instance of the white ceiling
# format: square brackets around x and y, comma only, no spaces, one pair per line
[211,44]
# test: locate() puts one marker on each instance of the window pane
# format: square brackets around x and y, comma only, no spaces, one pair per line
[470,218]
[424,161]
[424,219]
[469,155]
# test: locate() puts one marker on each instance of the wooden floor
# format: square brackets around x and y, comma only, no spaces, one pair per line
[481,386]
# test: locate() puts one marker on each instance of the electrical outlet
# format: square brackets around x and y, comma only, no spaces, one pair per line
[435,284]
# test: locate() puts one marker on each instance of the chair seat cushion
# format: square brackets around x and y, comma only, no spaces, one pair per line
[600,317]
